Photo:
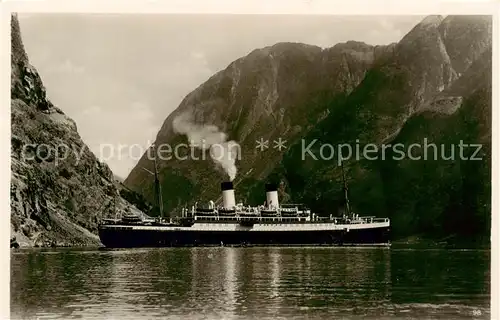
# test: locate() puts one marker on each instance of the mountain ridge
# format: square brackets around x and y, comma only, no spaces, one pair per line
[349,92]
[59,189]
[276,86]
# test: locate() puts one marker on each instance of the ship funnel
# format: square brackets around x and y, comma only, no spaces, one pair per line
[228,200]
[272,195]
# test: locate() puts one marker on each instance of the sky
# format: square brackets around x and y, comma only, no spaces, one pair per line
[120,75]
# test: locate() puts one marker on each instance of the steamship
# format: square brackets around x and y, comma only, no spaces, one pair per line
[234,224]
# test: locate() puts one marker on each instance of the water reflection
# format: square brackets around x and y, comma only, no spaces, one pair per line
[59,282]
[275,270]
[456,274]
[248,283]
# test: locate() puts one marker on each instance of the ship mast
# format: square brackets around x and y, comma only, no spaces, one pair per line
[114,207]
[157,185]
[346,198]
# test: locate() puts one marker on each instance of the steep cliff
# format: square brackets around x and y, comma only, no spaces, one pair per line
[434,83]
[274,92]
[435,91]
[59,190]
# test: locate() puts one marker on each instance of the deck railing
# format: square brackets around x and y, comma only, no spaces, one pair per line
[290,219]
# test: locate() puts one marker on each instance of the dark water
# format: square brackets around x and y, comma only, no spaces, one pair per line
[241,283]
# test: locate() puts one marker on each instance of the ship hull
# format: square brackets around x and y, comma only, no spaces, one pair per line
[127,237]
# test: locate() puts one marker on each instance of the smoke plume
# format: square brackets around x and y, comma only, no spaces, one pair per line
[209,137]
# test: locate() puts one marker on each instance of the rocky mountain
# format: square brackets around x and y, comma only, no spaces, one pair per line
[416,98]
[59,189]
[274,92]
[434,85]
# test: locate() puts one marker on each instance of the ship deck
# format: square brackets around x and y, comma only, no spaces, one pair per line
[256,227]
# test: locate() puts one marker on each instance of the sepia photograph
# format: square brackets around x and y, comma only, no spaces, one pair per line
[250,166]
